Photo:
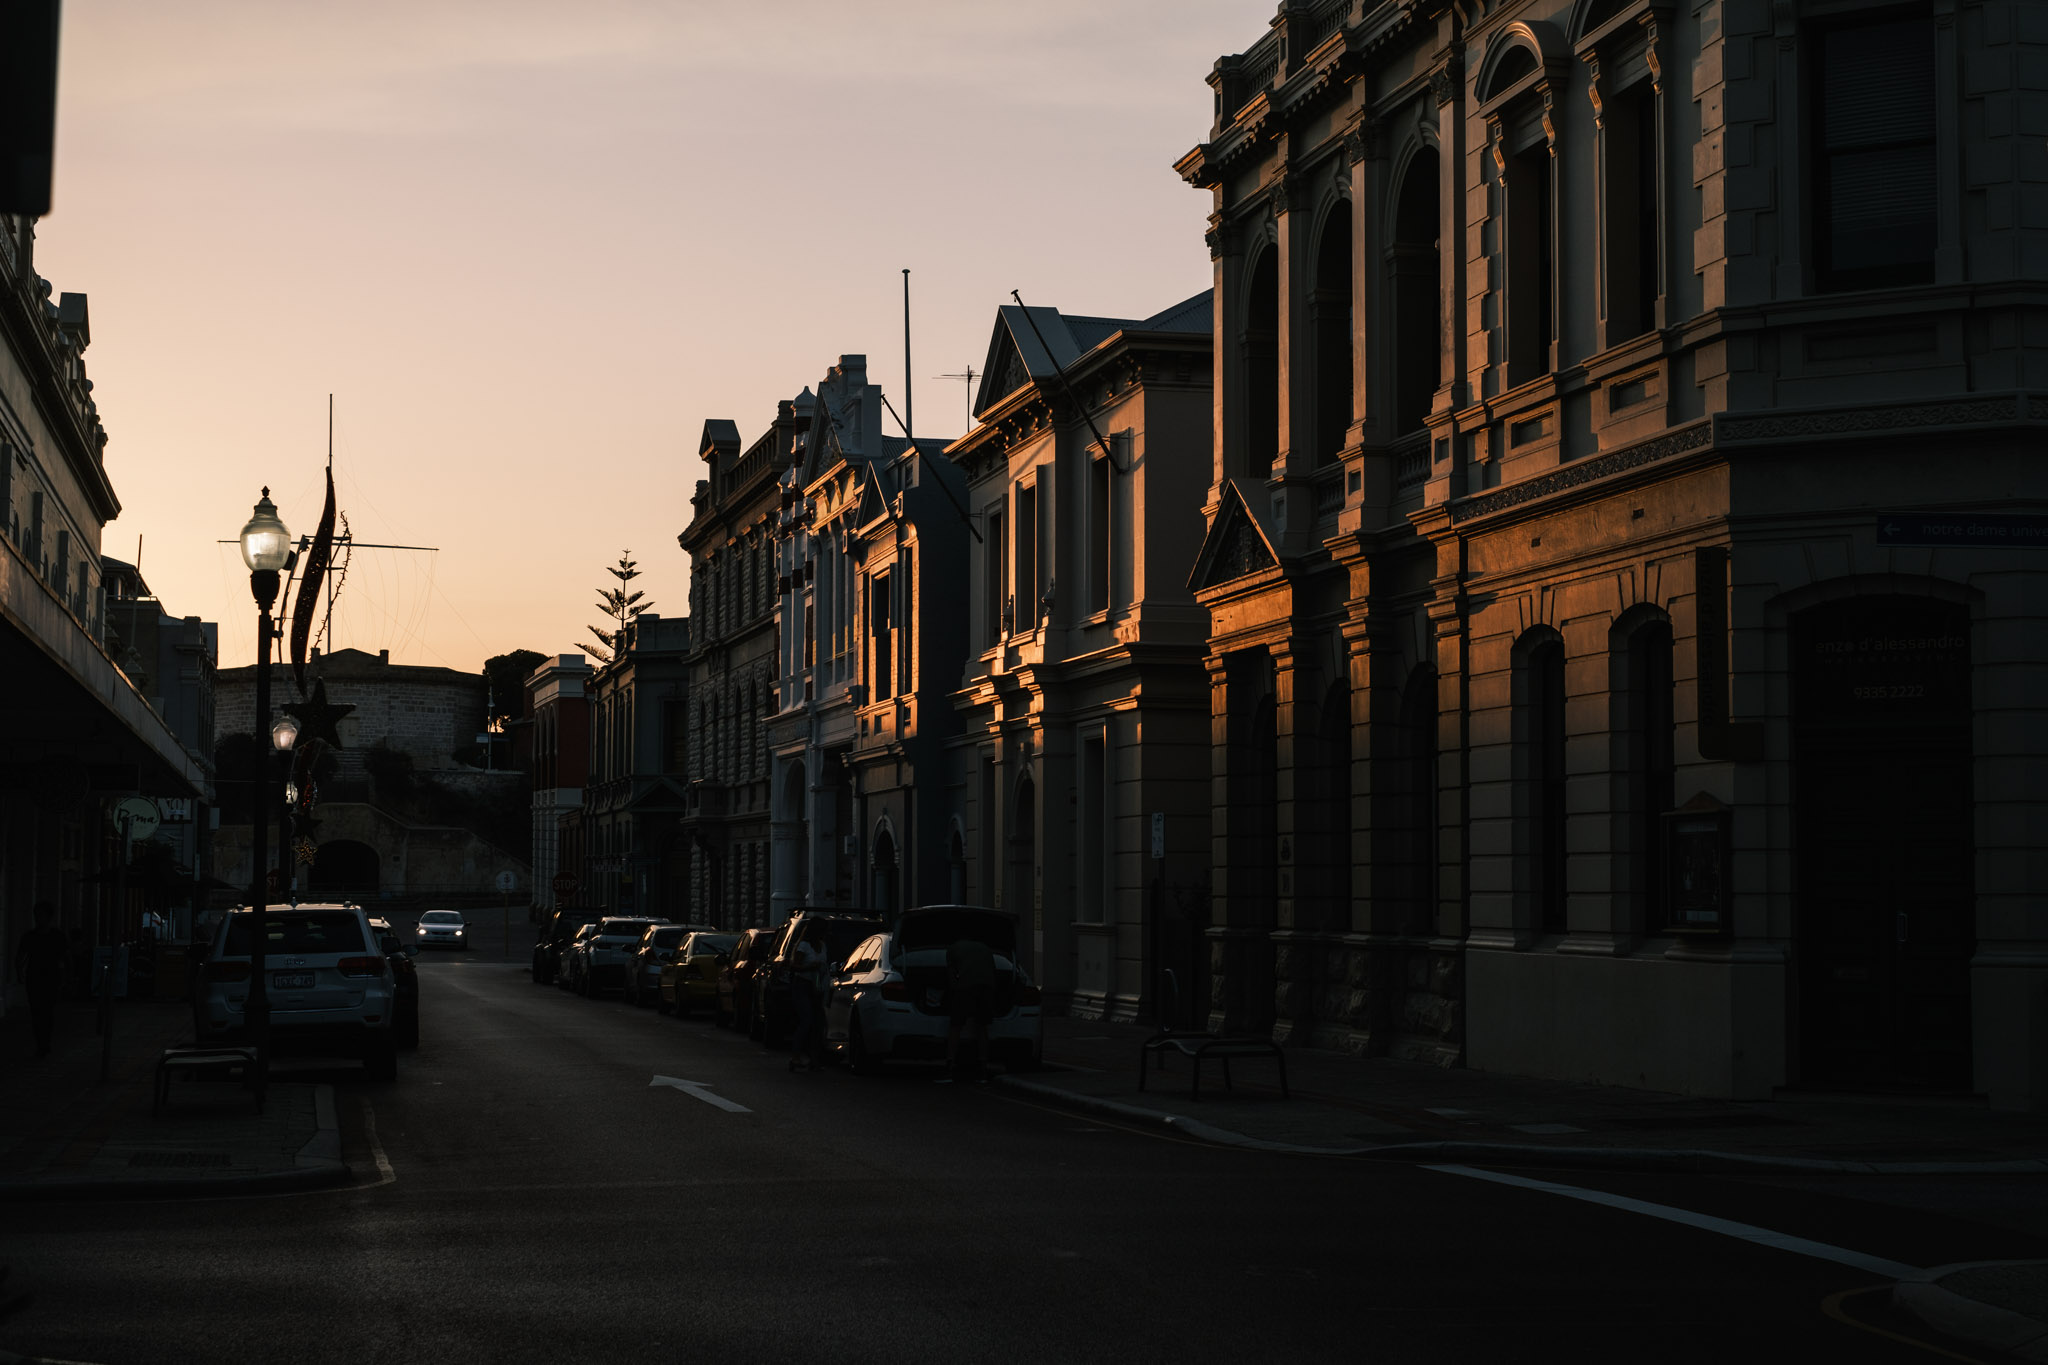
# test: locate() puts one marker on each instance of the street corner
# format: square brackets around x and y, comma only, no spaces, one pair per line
[1999,1305]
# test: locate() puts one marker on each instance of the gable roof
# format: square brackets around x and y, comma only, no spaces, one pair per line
[1033,344]
[1238,545]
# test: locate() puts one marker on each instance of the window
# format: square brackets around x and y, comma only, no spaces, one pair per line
[1261,343]
[1414,268]
[60,567]
[1540,737]
[1101,474]
[881,664]
[1526,189]
[1874,182]
[1629,142]
[1027,558]
[35,529]
[994,576]
[1330,322]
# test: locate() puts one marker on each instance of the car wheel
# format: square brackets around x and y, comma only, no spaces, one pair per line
[381,1061]
[857,1059]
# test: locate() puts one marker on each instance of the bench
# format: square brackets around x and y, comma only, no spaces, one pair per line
[1201,1046]
[192,1058]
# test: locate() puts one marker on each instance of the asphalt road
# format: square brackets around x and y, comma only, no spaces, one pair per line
[529,1193]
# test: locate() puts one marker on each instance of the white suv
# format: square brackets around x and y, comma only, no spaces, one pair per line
[330,988]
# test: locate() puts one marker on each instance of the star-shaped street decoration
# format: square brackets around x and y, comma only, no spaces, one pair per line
[318,717]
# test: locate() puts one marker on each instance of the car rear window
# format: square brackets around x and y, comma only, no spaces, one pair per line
[942,928]
[668,938]
[334,931]
[843,936]
[617,928]
[713,943]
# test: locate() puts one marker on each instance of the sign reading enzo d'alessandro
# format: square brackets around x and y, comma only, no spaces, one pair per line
[1968,528]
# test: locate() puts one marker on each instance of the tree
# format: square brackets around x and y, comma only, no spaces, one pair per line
[621,606]
[507,675]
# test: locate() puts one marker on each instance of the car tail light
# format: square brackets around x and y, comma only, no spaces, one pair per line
[1027,995]
[360,966]
[896,990]
[227,971]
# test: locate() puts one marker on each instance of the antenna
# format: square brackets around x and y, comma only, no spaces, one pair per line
[970,377]
[909,413]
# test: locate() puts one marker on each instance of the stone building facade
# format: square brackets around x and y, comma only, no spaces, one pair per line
[823,849]
[1626,634]
[557,742]
[1083,699]
[636,860]
[424,712]
[79,736]
[731,668]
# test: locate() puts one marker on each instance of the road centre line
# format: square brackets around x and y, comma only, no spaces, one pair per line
[1747,1232]
[700,1091]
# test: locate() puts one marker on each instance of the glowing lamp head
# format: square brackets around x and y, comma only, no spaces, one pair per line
[266,544]
[284,733]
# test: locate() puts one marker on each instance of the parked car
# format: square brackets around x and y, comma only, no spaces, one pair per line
[888,1001]
[554,936]
[843,932]
[405,975]
[442,929]
[657,949]
[690,978]
[736,977]
[605,958]
[569,972]
[330,984]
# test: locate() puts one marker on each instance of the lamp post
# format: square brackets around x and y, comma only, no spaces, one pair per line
[266,548]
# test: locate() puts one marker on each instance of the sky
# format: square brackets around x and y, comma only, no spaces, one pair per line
[531,248]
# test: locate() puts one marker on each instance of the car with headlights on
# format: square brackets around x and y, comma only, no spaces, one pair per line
[656,950]
[442,929]
[888,1001]
[690,978]
[405,976]
[605,958]
[327,979]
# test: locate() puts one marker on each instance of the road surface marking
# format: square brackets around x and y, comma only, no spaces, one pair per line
[1746,1232]
[700,1091]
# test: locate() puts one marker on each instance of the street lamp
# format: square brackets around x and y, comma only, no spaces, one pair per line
[266,549]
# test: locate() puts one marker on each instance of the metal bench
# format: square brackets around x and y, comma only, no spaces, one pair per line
[192,1058]
[1201,1046]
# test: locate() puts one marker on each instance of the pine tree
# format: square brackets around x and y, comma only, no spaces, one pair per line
[621,606]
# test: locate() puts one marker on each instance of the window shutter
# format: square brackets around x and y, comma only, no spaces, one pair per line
[1877,131]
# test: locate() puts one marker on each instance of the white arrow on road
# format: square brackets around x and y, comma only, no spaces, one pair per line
[700,1091]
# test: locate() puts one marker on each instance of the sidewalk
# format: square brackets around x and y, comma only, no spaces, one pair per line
[65,1133]
[1378,1109]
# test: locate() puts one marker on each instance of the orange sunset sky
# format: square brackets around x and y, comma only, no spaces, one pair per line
[532,247]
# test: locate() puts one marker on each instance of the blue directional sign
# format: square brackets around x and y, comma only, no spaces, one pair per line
[1963,528]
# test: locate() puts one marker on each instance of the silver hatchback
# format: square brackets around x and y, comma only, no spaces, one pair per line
[327,979]
[442,929]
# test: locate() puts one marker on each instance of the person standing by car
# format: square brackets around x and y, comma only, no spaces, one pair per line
[970,999]
[806,984]
[39,964]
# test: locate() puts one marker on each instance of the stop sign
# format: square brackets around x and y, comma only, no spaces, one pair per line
[564,884]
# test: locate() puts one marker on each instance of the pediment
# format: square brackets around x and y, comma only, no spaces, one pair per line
[1237,546]
[1003,373]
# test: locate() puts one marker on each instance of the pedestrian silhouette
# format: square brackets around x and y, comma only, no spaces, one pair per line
[39,965]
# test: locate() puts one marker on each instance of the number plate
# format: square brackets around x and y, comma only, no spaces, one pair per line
[291,981]
[934,998]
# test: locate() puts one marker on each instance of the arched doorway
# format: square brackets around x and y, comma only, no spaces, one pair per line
[1885,915]
[344,870]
